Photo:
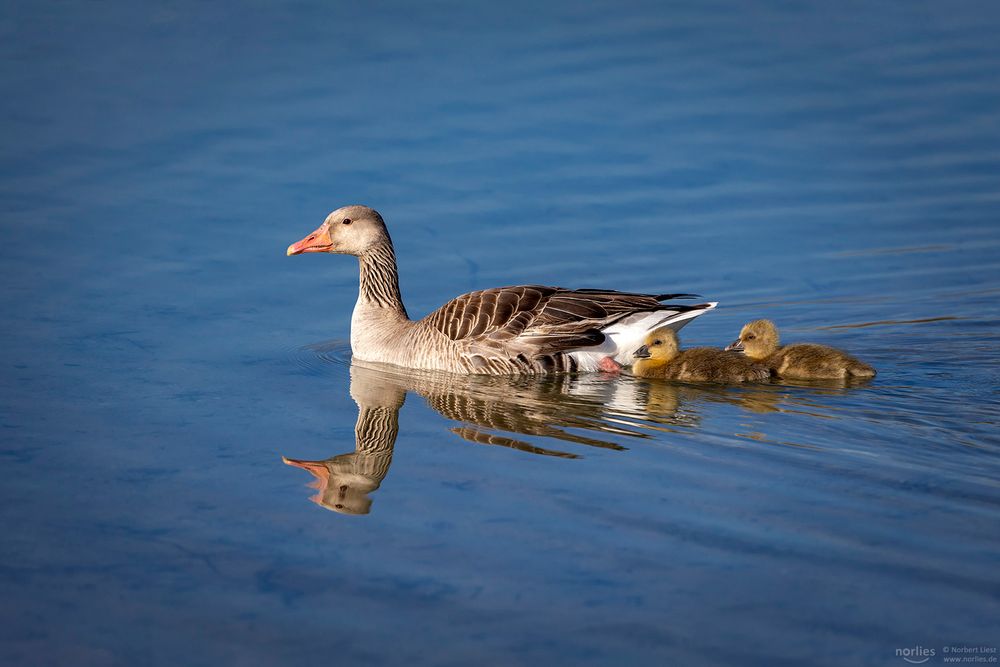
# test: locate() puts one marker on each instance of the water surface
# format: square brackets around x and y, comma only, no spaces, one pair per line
[834,167]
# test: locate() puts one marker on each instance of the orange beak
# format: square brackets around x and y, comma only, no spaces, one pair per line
[318,241]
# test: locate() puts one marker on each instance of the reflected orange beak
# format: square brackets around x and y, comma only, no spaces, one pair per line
[317,468]
[318,241]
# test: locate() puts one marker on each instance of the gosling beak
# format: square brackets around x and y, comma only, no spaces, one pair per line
[318,241]
[641,353]
[735,346]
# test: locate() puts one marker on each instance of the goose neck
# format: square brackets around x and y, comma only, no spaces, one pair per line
[380,280]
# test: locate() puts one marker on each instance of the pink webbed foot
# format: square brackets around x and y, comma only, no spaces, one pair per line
[609,365]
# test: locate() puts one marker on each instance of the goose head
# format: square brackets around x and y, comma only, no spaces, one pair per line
[660,345]
[758,339]
[351,230]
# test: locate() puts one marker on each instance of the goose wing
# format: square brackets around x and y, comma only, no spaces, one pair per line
[547,319]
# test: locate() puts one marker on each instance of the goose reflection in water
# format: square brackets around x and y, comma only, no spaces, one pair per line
[343,482]
[487,409]
[590,410]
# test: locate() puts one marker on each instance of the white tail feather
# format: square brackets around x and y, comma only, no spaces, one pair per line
[626,336]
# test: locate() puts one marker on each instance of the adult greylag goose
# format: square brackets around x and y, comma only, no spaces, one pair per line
[498,331]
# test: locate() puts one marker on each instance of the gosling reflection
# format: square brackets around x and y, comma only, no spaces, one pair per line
[679,403]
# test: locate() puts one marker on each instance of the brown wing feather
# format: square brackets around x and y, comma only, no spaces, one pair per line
[506,311]
[596,307]
[554,318]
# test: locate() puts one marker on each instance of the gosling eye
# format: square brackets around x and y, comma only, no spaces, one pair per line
[657,342]
[750,336]
[347,221]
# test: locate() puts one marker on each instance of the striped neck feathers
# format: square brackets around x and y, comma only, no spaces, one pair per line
[380,279]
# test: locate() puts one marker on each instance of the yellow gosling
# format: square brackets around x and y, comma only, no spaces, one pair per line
[759,341]
[661,357]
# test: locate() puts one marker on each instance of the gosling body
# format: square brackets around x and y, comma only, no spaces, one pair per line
[760,342]
[661,357]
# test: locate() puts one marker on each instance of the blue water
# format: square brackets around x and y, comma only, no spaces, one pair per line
[832,166]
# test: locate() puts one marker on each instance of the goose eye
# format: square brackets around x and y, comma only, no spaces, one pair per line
[657,342]
[347,221]
[751,337]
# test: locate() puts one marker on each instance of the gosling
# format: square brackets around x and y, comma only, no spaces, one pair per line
[803,361]
[661,357]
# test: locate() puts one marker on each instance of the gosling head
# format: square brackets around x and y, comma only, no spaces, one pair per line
[758,339]
[660,345]
[352,230]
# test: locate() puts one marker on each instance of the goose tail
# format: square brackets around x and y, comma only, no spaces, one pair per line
[625,336]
